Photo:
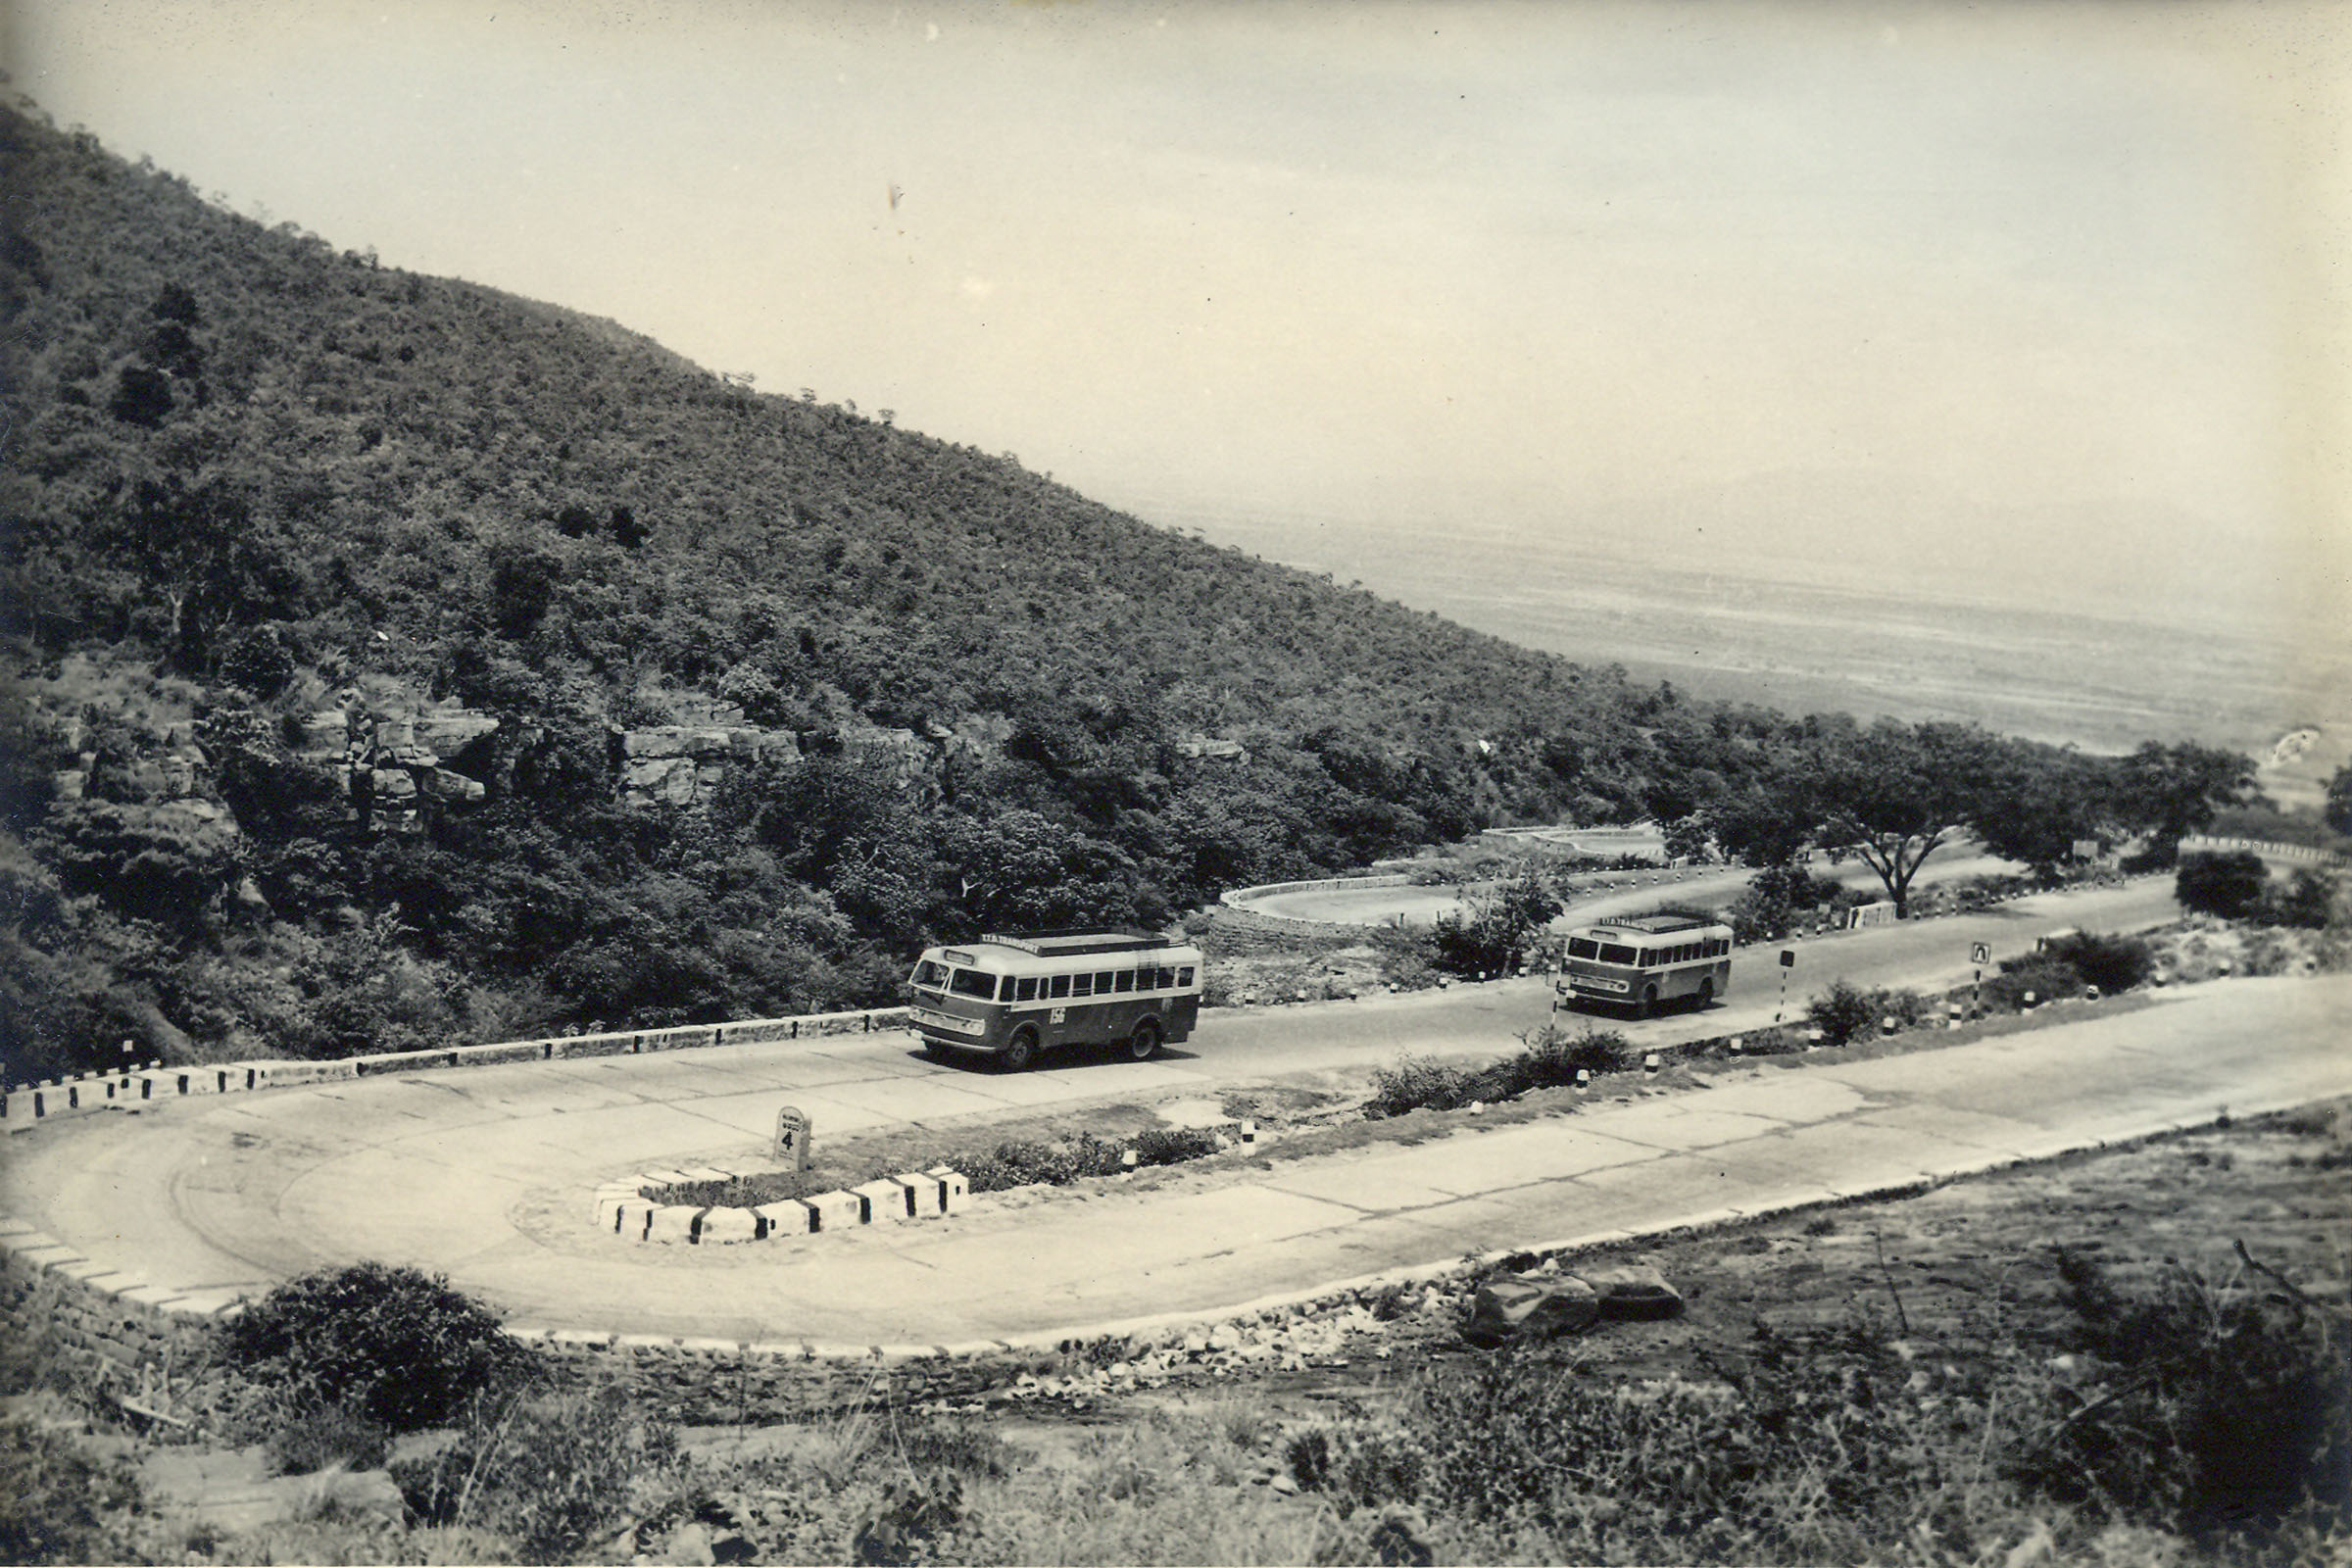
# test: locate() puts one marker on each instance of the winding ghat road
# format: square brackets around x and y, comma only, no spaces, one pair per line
[1607,893]
[486,1174]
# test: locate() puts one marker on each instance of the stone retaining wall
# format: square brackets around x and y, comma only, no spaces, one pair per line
[124,1333]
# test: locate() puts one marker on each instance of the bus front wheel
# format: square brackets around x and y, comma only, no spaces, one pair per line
[1144,1044]
[1021,1051]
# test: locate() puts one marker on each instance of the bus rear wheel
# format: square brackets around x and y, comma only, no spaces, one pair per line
[1021,1051]
[1144,1044]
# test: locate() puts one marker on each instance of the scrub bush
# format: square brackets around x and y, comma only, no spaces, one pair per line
[1022,1164]
[553,1474]
[1842,1013]
[2219,1404]
[1553,1056]
[2307,900]
[311,1440]
[57,1502]
[395,1345]
[1523,1457]
[2112,963]
[1172,1146]
[1846,1012]
[2042,974]
[2228,885]
[1416,1083]
[1550,1059]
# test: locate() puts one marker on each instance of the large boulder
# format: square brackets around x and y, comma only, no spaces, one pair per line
[1633,1290]
[325,737]
[1517,1308]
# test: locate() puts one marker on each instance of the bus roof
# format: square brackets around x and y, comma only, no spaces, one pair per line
[1655,925]
[1056,944]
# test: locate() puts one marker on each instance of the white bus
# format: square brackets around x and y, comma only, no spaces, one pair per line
[1012,997]
[1640,961]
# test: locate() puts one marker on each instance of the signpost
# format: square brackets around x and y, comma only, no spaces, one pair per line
[793,1136]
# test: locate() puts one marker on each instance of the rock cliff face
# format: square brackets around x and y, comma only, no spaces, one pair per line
[397,754]
[681,763]
[390,748]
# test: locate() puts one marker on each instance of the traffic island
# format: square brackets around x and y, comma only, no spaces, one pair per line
[623,1208]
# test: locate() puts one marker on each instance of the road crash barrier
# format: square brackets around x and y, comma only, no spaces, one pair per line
[716,1227]
[787,1216]
[2267,849]
[835,1211]
[887,1201]
[954,1189]
[26,1105]
[623,1209]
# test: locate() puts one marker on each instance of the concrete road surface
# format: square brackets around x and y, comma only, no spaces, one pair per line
[487,1175]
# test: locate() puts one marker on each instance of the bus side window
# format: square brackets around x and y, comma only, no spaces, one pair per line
[1059,986]
[1025,989]
[1124,981]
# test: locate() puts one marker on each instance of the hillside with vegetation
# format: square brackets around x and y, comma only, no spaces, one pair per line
[254,480]
[392,660]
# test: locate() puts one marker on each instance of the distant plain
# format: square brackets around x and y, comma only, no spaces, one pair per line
[2095,678]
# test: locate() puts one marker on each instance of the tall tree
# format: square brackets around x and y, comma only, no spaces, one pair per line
[2337,807]
[1895,795]
[2042,803]
[2170,791]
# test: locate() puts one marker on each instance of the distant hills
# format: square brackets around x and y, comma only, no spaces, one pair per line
[394,659]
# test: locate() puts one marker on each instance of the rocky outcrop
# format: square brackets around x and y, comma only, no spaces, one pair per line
[1512,1306]
[391,749]
[1546,1303]
[681,763]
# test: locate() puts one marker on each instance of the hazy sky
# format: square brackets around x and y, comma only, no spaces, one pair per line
[2050,297]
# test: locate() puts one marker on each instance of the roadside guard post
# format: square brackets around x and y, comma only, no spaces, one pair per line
[792,1136]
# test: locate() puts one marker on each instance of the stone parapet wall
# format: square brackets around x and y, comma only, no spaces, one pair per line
[26,1105]
[2202,844]
[1240,897]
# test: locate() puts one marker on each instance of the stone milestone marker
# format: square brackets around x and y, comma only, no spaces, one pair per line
[793,1136]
